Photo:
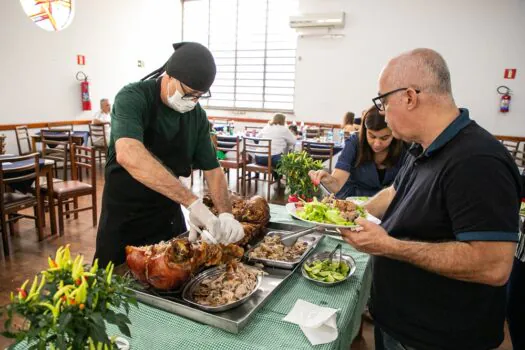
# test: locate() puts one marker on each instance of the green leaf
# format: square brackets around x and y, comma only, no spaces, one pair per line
[124,329]
[8,334]
[64,320]
[123,318]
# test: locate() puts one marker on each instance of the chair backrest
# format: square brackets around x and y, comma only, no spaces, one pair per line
[83,158]
[98,131]
[59,126]
[23,140]
[512,146]
[2,144]
[55,150]
[257,147]
[230,144]
[22,168]
[320,151]
[314,132]
[324,131]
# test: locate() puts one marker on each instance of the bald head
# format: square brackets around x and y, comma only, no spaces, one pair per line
[423,69]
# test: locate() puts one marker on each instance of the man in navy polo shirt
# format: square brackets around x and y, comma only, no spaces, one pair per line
[444,251]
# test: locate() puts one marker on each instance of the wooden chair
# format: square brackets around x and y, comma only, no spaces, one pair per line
[98,132]
[232,145]
[312,133]
[324,131]
[2,144]
[13,202]
[81,158]
[262,147]
[23,140]
[322,151]
[57,151]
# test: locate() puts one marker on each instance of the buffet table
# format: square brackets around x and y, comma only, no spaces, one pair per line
[152,328]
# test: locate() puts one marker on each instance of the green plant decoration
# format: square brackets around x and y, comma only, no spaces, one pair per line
[295,166]
[67,305]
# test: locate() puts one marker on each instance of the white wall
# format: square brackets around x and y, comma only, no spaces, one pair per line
[478,38]
[38,68]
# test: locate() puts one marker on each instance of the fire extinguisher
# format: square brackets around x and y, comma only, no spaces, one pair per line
[84,91]
[504,104]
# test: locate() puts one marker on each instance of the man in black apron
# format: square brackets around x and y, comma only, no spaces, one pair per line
[160,132]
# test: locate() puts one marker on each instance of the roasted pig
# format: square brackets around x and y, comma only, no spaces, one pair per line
[168,265]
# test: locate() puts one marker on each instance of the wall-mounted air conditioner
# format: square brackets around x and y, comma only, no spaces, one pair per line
[318,20]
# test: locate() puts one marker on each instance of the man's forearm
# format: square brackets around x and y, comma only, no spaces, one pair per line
[481,262]
[146,169]
[219,190]
[378,204]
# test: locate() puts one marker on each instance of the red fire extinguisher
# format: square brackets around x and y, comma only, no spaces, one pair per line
[84,91]
[504,104]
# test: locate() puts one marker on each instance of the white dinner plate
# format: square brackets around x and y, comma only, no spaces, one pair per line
[290,207]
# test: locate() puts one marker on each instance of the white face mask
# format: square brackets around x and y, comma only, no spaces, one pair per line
[177,103]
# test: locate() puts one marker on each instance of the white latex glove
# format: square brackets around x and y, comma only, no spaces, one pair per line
[200,216]
[231,228]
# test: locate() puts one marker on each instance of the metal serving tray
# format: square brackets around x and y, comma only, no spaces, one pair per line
[187,293]
[312,239]
[232,320]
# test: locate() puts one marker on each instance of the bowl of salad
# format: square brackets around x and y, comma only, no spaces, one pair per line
[330,212]
[318,269]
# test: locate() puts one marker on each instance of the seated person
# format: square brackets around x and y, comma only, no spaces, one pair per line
[368,162]
[348,122]
[282,140]
[294,130]
[103,117]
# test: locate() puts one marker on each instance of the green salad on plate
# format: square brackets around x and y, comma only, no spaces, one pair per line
[331,211]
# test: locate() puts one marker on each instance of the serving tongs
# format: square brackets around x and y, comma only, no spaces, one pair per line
[290,239]
[331,256]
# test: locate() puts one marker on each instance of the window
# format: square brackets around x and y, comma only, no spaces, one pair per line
[254,50]
[51,15]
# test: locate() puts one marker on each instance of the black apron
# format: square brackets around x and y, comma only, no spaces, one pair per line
[133,214]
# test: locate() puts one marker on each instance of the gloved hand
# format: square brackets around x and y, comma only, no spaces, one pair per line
[232,229]
[200,216]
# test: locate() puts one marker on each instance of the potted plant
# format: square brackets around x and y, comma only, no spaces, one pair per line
[295,166]
[67,305]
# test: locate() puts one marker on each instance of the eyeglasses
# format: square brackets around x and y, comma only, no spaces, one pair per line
[380,100]
[192,96]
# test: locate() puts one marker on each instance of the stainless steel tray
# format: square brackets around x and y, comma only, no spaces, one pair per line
[187,293]
[312,239]
[233,320]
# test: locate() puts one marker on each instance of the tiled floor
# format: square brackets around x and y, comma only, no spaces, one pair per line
[30,256]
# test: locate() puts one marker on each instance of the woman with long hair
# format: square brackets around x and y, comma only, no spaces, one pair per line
[369,161]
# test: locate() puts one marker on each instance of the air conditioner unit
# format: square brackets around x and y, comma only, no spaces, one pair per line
[318,20]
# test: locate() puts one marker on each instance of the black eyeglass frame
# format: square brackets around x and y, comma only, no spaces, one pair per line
[188,96]
[380,105]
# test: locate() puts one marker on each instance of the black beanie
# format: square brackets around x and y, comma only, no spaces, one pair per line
[192,64]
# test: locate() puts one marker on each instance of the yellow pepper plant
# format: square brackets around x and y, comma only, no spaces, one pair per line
[67,305]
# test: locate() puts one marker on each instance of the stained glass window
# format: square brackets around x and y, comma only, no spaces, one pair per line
[51,15]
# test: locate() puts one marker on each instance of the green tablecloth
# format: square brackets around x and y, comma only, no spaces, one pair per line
[156,329]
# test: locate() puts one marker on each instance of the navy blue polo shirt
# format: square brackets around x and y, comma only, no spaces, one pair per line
[364,179]
[464,187]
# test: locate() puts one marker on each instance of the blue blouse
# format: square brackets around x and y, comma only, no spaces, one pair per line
[363,180]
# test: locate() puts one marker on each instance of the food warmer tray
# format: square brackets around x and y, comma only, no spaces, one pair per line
[233,320]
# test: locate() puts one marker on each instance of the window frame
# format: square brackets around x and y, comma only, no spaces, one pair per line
[265,65]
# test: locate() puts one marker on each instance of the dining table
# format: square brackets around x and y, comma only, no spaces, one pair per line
[78,137]
[153,328]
